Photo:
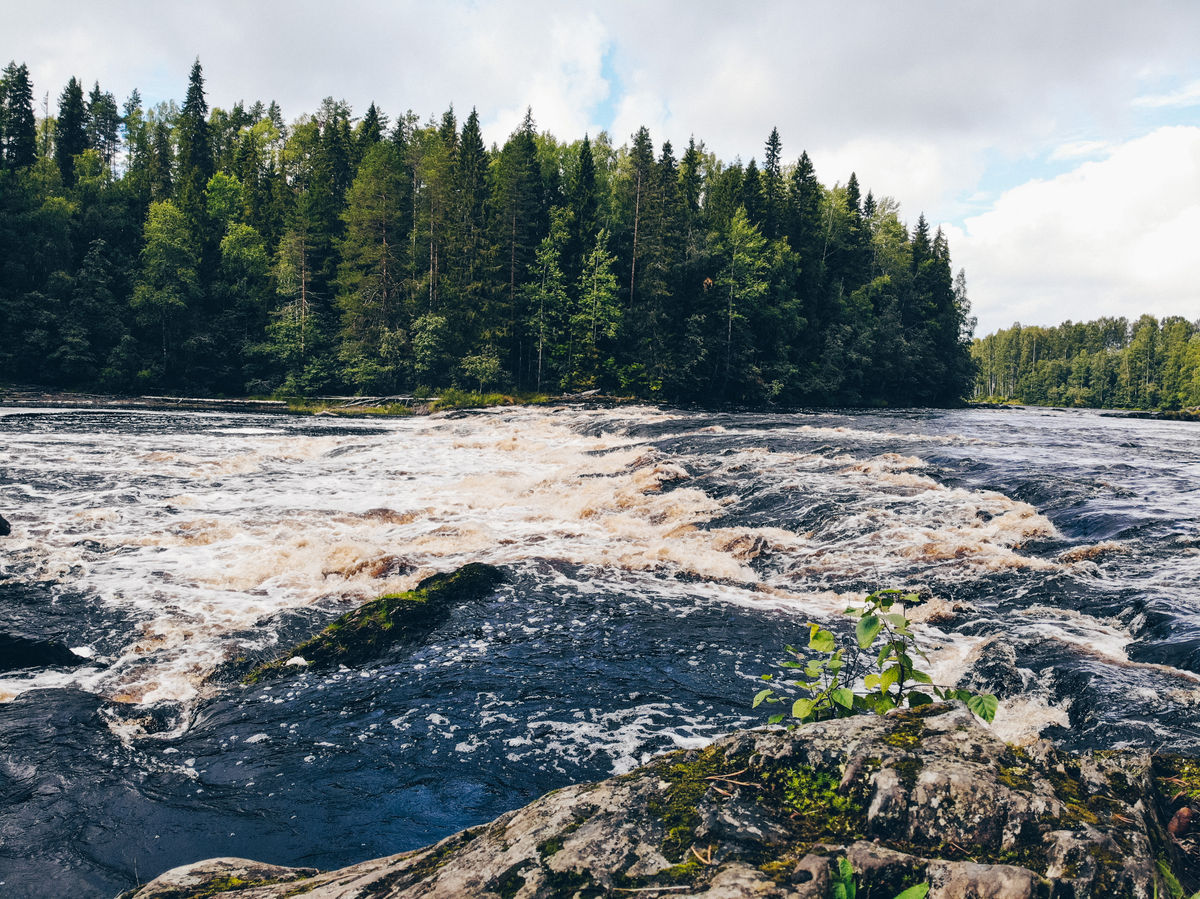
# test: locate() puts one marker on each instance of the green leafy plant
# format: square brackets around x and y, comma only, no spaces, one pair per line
[875,672]
[844,886]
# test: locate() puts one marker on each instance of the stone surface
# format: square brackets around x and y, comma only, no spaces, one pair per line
[925,796]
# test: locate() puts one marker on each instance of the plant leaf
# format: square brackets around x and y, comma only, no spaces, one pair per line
[920,891]
[918,699]
[822,641]
[843,696]
[867,630]
[775,719]
[760,696]
[802,708]
[984,705]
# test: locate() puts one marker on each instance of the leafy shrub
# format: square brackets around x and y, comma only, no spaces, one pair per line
[874,672]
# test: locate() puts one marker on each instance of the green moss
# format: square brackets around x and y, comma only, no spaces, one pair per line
[907,730]
[676,810]
[228,883]
[366,632]
[1013,770]
[909,769]
[1177,777]
[822,809]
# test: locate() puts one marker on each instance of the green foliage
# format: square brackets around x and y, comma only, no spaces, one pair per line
[244,252]
[1106,363]
[844,885]
[873,672]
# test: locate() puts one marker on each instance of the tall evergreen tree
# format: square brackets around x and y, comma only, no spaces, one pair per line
[70,131]
[19,131]
[195,157]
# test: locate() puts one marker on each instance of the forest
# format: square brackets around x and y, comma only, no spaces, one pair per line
[229,252]
[1109,363]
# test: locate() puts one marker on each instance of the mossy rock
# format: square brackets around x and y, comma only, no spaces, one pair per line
[915,797]
[368,632]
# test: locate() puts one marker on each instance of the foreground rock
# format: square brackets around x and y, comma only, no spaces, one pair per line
[370,630]
[918,797]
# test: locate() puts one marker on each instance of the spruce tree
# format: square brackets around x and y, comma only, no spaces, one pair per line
[195,152]
[70,132]
[19,131]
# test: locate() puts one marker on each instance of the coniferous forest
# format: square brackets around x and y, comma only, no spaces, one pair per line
[226,252]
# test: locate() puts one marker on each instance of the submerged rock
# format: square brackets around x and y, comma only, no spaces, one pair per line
[367,632]
[23,652]
[917,797]
[5,527]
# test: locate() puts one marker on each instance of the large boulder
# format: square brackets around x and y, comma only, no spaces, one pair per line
[914,798]
[24,652]
[370,630]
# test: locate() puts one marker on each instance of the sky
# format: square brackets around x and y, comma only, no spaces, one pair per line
[1057,143]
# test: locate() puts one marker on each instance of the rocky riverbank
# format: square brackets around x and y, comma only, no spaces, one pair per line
[915,799]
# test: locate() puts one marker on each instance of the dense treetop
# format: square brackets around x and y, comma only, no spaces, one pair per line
[1107,363]
[227,251]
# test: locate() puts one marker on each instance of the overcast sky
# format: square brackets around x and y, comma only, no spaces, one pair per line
[1059,143]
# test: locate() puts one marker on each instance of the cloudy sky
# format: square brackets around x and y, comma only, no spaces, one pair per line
[1058,143]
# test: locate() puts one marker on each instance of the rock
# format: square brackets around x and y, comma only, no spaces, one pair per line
[926,796]
[220,876]
[370,630]
[5,527]
[23,652]
[992,668]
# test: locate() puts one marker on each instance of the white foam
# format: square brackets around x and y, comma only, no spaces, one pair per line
[199,536]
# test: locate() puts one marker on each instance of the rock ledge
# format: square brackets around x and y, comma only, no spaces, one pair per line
[924,796]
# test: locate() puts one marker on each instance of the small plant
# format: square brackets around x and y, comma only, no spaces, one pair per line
[844,886]
[874,673]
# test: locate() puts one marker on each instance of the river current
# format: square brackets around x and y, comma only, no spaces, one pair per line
[658,562]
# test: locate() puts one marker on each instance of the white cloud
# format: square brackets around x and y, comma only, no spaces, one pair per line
[1112,237]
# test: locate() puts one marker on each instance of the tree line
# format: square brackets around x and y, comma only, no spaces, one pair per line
[1107,363]
[226,252]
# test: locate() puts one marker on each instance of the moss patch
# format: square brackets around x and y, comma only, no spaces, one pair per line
[368,631]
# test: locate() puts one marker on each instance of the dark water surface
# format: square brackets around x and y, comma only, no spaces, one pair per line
[658,562]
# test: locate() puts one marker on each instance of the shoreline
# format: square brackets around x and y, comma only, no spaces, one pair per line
[404,405]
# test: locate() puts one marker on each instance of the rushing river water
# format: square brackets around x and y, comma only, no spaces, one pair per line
[658,560]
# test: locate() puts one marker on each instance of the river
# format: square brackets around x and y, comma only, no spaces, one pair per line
[658,560]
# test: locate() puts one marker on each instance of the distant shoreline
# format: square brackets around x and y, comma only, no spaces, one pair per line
[400,406]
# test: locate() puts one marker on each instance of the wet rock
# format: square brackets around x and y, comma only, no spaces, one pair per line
[23,652]
[5,527]
[992,668]
[372,629]
[925,796]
